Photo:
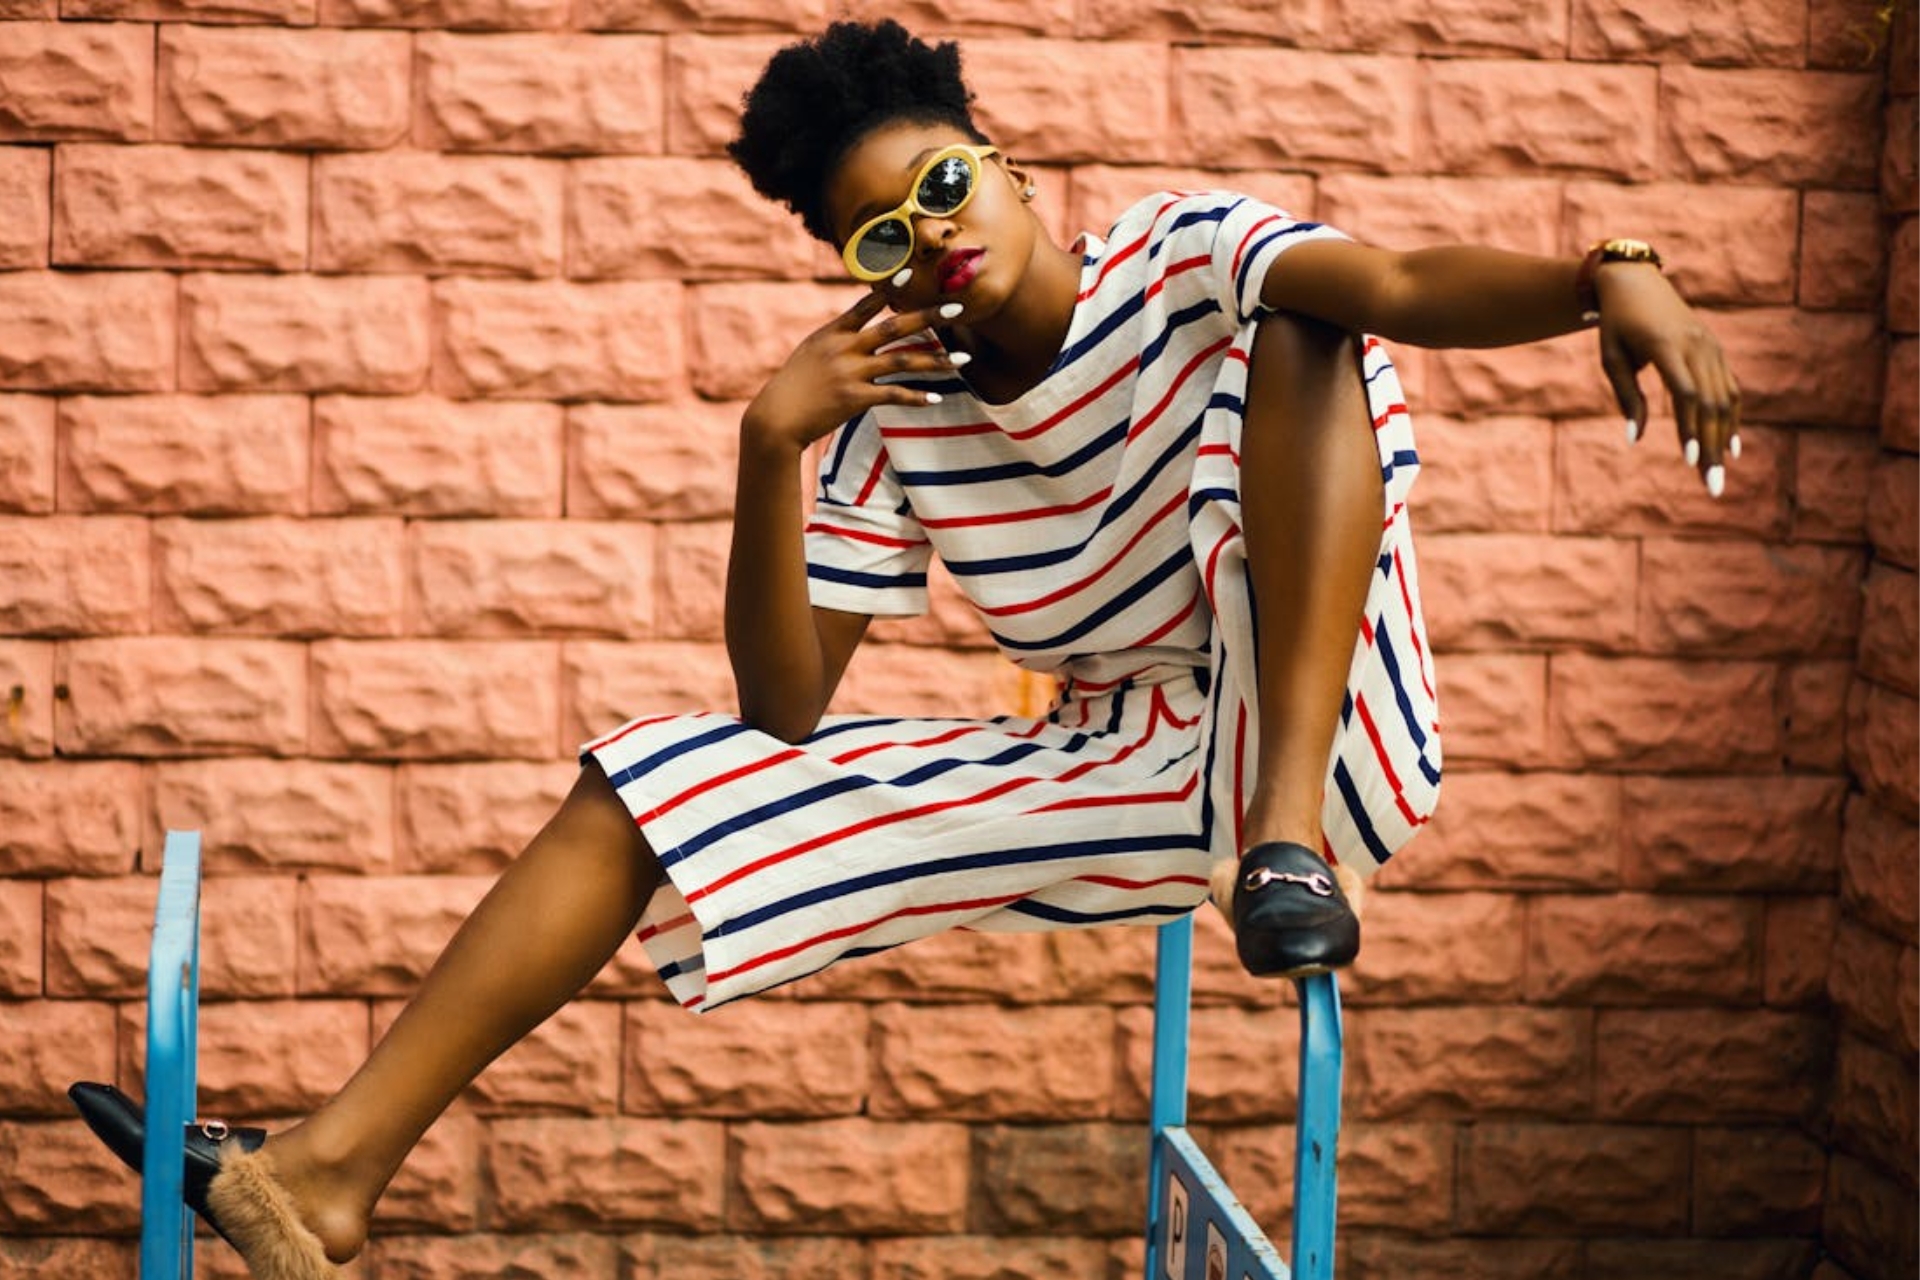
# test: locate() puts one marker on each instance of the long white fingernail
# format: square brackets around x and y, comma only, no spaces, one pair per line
[1733,446]
[933,397]
[1716,480]
[901,277]
[1693,453]
[1633,431]
[951,310]
[959,358]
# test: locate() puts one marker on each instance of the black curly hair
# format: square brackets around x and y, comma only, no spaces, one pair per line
[817,98]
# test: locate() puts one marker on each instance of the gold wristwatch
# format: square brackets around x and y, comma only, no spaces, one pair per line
[1619,249]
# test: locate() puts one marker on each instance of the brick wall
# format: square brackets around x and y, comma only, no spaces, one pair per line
[368,373]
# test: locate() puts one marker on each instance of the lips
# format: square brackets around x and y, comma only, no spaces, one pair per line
[958,269]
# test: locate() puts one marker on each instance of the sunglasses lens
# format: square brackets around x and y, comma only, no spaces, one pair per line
[946,186]
[885,245]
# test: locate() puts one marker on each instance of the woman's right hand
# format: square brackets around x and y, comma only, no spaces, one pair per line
[832,376]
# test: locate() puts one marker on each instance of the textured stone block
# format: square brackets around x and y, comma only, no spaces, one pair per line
[1496,708]
[565,1173]
[1756,1181]
[1867,1220]
[91,331]
[1572,1179]
[366,334]
[210,455]
[1561,378]
[1639,949]
[1883,745]
[1099,193]
[257,1058]
[62,1179]
[791,1059]
[316,87]
[550,93]
[26,690]
[1508,591]
[1604,486]
[629,218]
[671,461]
[1880,868]
[1791,128]
[1062,100]
[1813,715]
[1899,167]
[440,1186]
[1831,470]
[1903,283]
[1455,1062]
[1753,834]
[377,936]
[561,342]
[515,578]
[476,1257]
[975,1257]
[899,679]
[984,1062]
[1749,33]
[156,696]
[1865,985]
[570,1063]
[1890,631]
[1414,212]
[1746,598]
[1763,1259]
[1170,22]
[1423,947]
[76,80]
[467,819]
[1648,713]
[433,214]
[275,815]
[25,206]
[1379,1255]
[49,1044]
[295,13]
[1874,1102]
[426,457]
[467,15]
[278,576]
[98,933]
[1284,108]
[159,206]
[1083,1178]
[1732,245]
[1843,251]
[27,453]
[1520,117]
[1820,367]
[693,573]
[414,700]
[1452,27]
[71,576]
[718,15]
[26,1257]
[706,78]
[739,334]
[1484,475]
[1243,1064]
[1721,1064]
[1893,511]
[65,817]
[1518,830]
[606,685]
[22,938]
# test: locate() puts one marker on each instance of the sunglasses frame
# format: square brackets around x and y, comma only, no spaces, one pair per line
[902,212]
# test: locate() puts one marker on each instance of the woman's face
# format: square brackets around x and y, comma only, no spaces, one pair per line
[975,255]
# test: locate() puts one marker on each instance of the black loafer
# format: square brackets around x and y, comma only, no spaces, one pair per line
[1290,919]
[121,1123]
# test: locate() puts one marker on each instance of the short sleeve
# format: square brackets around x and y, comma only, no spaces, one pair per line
[865,551]
[1248,236]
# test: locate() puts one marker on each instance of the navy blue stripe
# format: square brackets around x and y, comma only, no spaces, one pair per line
[1110,438]
[1399,682]
[1253,252]
[854,578]
[1138,590]
[1358,812]
[647,764]
[1070,919]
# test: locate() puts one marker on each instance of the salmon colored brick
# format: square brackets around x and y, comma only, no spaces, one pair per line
[562,1173]
[1893,511]
[1766,126]
[1874,1102]
[260,1057]
[434,699]
[1468,1060]
[71,576]
[1903,284]
[86,331]
[69,1256]
[1831,470]
[668,462]
[1879,854]
[1843,251]
[440,1186]
[434,1257]
[66,817]
[1067,1178]
[1062,100]
[153,696]
[1523,117]
[848,1175]
[1805,367]
[376,936]
[1500,830]
[1503,591]
[637,218]
[469,819]
[29,10]
[1709,1064]
[50,1044]
[950,622]
[1746,33]
[420,456]
[1813,714]
[1576,1179]
[1561,378]
[604,685]
[1867,1219]
[1883,745]
[22,938]
[1378,1255]
[366,335]
[63,1181]
[1732,834]
[1423,947]
[161,206]
[1900,408]
[984,1062]
[472,15]
[1495,708]
[1604,486]
[802,17]
[559,93]
[1452,27]
[1173,23]
[299,13]
[1798,942]
[26,691]
[1746,599]
[1722,245]
[1102,192]
[692,575]
[1650,713]
[25,206]
[706,77]
[98,933]
[525,340]
[208,455]
[1756,1180]
[1634,949]
[1483,475]
[515,578]
[570,1063]
[76,80]
[794,1059]
[282,87]
[980,1257]
[266,816]
[1899,182]
[1700,1259]
[419,212]
[27,452]
[1391,1175]
[739,334]
[1278,108]
[1407,212]
[278,576]
[1243,1064]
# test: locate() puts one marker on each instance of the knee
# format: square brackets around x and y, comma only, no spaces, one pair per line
[594,811]
[1300,343]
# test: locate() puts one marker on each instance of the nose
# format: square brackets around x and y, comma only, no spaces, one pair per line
[931,235]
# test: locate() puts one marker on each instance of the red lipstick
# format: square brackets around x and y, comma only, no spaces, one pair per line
[957,269]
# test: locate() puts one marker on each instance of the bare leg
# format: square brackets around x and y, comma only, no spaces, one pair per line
[543,931]
[1311,507]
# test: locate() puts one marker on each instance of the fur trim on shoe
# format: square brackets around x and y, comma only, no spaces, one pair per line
[257,1216]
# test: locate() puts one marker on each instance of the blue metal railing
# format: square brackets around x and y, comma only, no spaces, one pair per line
[173,1008]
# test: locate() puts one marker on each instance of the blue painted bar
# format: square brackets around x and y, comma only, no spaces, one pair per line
[1317,1128]
[173,1007]
[1172,1003]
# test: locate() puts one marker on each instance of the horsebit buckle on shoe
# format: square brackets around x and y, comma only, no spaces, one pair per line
[1317,882]
[215,1130]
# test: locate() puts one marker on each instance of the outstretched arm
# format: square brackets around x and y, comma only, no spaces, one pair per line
[1467,296]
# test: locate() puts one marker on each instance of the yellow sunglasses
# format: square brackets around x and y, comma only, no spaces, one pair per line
[882,245]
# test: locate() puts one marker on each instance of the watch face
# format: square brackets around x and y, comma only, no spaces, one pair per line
[1625,250]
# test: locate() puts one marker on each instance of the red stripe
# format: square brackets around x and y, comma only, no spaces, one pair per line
[1125,800]
[1165,628]
[939,433]
[852,930]
[873,479]
[859,535]
[1016,517]
[1060,415]
[1413,631]
[1240,250]
[1117,256]
[1174,388]
[719,780]
[1152,523]
[1121,882]
[666,926]
[1380,754]
[636,725]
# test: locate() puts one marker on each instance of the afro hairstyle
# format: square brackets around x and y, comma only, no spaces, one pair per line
[818,98]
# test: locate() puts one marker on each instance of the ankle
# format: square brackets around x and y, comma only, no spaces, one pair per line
[326,1187]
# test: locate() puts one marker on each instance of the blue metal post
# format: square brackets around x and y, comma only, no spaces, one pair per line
[1172,1006]
[173,1005]
[1317,1128]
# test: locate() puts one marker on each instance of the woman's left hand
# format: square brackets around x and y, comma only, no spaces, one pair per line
[1643,321]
